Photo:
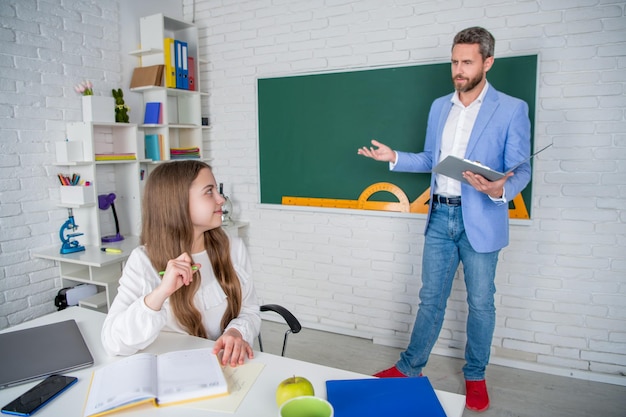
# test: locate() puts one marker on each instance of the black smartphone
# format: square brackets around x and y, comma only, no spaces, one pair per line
[39,395]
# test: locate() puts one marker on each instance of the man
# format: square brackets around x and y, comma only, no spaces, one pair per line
[467,223]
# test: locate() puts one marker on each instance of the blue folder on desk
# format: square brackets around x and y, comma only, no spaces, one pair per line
[393,397]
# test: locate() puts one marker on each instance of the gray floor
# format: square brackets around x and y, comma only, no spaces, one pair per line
[513,392]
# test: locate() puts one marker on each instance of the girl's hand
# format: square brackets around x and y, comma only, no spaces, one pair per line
[235,349]
[178,272]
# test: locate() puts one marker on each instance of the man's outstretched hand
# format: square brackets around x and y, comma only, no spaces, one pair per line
[382,153]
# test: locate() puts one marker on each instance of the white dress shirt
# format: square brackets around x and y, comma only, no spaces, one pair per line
[456,135]
[131,325]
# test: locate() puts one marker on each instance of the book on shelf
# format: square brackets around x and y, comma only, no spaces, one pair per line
[147,76]
[152,116]
[145,378]
[162,147]
[153,147]
[184,153]
[115,157]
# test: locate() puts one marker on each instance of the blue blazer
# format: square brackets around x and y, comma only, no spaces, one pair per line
[500,139]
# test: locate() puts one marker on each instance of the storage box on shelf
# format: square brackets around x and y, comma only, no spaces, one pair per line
[76,195]
[67,151]
[98,109]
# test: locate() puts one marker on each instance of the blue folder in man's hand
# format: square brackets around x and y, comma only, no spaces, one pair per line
[393,397]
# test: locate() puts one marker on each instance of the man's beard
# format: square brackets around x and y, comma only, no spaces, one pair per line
[471,83]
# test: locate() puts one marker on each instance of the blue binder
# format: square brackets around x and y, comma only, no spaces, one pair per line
[182,80]
[397,397]
[178,47]
[185,64]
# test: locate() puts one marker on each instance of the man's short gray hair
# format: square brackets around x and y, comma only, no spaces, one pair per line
[477,35]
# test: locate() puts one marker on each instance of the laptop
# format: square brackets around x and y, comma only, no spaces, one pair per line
[34,353]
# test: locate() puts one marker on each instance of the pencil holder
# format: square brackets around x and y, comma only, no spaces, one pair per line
[77,194]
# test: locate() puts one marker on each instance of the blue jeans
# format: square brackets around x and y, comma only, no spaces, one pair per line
[446,245]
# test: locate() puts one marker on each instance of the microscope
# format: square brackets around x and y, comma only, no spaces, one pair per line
[227,208]
[70,245]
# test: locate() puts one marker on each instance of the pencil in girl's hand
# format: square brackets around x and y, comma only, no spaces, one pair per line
[193,268]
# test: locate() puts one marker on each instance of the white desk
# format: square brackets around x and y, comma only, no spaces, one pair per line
[260,400]
[92,266]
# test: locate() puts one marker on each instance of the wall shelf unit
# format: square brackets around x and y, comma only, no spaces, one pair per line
[181,116]
[111,158]
[80,154]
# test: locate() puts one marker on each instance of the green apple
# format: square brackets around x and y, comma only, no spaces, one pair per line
[295,386]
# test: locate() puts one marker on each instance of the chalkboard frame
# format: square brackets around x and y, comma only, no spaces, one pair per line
[311,125]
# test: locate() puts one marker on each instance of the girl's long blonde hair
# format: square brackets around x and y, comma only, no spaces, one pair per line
[167,232]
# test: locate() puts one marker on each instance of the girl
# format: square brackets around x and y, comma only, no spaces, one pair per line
[205,289]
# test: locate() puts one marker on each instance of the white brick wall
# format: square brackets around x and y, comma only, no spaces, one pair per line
[561,282]
[45,49]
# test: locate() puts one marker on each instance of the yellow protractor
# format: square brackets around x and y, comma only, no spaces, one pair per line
[402,205]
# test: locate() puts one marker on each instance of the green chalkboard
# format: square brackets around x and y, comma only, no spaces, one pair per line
[310,126]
